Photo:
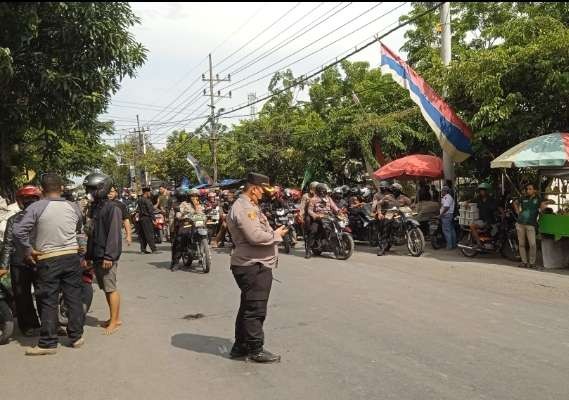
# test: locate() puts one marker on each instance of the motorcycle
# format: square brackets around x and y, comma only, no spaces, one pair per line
[436,235]
[197,244]
[363,225]
[6,310]
[286,218]
[212,223]
[159,225]
[334,238]
[499,238]
[404,229]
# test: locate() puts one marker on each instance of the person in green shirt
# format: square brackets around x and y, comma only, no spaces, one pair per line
[162,201]
[528,211]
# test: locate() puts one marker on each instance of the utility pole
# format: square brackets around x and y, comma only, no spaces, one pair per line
[213,118]
[251,97]
[446,45]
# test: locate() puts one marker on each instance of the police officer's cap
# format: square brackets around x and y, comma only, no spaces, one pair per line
[259,180]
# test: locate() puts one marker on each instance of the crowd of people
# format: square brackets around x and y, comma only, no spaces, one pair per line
[58,245]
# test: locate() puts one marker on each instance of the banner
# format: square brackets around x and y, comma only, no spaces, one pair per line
[453,134]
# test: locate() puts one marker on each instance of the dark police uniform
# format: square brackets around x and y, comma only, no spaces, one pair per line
[146,229]
[252,260]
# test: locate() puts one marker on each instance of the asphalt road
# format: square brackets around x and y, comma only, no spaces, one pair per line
[396,327]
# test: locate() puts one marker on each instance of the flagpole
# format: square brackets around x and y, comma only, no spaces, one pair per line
[448,165]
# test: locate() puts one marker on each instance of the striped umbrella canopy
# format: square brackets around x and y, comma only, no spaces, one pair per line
[543,151]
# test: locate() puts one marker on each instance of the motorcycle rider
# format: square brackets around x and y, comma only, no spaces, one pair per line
[304,217]
[487,208]
[190,206]
[320,206]
[12,258]
[403,200]
[383,201]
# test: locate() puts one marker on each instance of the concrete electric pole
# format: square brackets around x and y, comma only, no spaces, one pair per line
[446,46]
[213,117]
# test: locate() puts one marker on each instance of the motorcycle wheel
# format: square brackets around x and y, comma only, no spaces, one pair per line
[317,252]
[6,322]
[206,256]
[158,237]
[468,241]
[348,245]
[287,247]
[510,250]
[415,242]
[437,241]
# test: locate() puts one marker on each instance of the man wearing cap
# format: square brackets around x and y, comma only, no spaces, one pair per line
[252,260]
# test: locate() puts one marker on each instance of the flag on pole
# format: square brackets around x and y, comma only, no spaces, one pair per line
[453,134]
[307,177]
[203,177]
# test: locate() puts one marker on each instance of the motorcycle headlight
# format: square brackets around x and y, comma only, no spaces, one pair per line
[280,213]
[199,224]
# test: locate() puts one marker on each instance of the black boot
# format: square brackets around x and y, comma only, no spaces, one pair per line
[308,254]
[264,357]
[239,351]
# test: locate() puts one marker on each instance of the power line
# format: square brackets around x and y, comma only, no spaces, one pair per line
[274,37]
[275,22]
[338,61]
[320,49]
[285,42]
[305,47]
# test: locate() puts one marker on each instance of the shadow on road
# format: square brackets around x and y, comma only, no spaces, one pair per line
[202,344]
[195,269]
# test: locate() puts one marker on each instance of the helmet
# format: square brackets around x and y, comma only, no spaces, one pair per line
[28,191]
[484,186]
[366,192]
[345,189]
[194,193]
[99,185]
[322,188]
[396,187]
[313,185]
[384,185]
[338,191]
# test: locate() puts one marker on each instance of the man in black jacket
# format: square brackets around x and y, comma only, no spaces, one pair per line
[145,216]
[23,276]
[104,245]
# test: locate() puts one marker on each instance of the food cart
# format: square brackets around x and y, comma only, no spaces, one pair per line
[549,154]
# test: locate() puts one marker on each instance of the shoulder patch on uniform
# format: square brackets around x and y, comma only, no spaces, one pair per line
[252,215]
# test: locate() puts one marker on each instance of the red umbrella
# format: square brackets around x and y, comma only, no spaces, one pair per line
[411,167]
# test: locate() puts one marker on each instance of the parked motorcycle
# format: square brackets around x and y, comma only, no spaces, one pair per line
[363,225]
[334,238]
[6,310]
[197,244]
[403,229]
[500,238]
[436,235]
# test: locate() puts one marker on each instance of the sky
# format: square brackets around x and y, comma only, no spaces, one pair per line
[249,41]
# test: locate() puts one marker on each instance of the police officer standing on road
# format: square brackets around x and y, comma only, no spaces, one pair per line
[145,227]
[252,260]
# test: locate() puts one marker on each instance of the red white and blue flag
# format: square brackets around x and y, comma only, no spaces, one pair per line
[453,134]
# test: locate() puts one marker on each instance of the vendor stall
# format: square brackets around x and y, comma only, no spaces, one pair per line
[550,155]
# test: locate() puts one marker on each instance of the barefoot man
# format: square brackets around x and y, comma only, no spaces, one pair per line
[104,245]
